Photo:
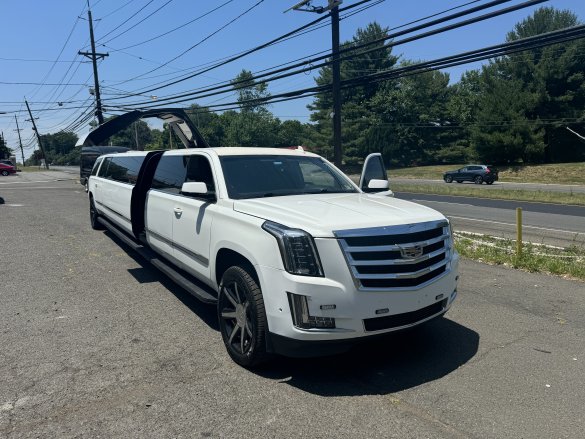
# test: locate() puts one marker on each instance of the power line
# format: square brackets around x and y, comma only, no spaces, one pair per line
[175,28]
[202,40]
[142,8]
[350,50]
[140,22]
[520,45]
[238,55]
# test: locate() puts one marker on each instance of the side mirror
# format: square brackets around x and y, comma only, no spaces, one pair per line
[194,188]
[374,170]
[381,185]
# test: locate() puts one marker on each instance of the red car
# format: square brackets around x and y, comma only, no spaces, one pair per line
[7,169]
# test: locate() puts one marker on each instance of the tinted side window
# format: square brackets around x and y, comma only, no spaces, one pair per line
[95,167]
[124,169]
[170,173]
[104,169]
[199,169]
[475,168]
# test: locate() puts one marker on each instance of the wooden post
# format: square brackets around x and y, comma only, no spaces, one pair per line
[518,231]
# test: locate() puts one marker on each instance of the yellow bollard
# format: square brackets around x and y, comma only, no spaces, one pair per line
[518,231]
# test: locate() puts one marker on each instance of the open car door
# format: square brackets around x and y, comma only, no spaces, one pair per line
[177,119]
[374,178]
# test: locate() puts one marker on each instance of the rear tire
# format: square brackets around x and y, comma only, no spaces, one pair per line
[490,182]
[5,173]
[478,180]
[242,318]
[93,216]
[448,179]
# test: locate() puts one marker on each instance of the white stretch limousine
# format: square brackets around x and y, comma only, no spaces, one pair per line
[299,259]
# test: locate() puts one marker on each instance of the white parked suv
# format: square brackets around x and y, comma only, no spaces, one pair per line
[298,258]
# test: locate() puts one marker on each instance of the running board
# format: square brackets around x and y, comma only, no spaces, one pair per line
[148,254]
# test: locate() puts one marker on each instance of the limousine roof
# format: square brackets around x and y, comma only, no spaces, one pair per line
[229,151]
[248,150]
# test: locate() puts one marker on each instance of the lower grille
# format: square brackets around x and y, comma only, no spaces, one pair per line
[409,318]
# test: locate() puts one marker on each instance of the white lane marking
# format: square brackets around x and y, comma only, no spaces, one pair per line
[512,224]
[28,188]
[15,205]
[39,181]
[443,202]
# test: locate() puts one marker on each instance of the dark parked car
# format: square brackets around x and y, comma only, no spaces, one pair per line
[476,173]
[7,169]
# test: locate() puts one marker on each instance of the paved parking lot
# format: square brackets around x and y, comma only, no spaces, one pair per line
[95,343]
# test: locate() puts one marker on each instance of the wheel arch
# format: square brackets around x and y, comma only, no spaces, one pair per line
[227,257]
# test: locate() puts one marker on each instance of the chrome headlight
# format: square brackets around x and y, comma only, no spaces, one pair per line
[297,248]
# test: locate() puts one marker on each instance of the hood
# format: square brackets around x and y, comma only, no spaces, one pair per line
[322,214]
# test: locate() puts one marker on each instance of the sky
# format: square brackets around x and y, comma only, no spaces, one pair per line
[39,57]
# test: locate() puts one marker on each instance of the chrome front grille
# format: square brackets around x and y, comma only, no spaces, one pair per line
[394,257]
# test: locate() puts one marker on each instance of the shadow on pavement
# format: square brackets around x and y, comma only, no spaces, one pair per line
[400,361]
[146,273]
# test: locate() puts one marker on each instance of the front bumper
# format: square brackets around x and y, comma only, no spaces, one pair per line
[353,308]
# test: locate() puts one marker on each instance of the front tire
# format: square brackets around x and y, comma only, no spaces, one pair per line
[448,179]
[242,318]
[93,216]
[5,173]
[478,180]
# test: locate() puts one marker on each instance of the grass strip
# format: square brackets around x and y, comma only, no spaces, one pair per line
[500,194]
[535,258]
[560,173]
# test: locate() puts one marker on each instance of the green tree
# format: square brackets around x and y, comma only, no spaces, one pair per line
[529,98]
[136,136]
[247,89]
[58,147]
[4,150]
[411,118]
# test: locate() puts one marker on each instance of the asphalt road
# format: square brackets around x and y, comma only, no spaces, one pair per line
[553,224]
[95,343]
[498,185]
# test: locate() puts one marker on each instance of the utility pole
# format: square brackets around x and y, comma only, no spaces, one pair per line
[337,152]
[18,130]
[332,6]
[32,119]
[94,56]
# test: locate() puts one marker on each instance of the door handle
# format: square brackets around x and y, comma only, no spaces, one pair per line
[178,212]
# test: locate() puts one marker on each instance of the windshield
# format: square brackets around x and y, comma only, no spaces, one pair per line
[256,176]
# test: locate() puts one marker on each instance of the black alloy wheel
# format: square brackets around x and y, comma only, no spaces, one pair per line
[93,216]
[478,180]
[5,173]
[242,318]
[448,179]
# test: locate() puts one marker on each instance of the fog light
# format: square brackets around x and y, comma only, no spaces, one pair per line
[301,317]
